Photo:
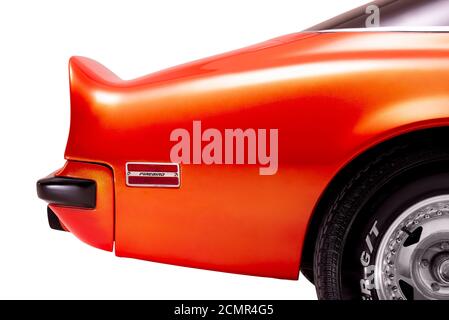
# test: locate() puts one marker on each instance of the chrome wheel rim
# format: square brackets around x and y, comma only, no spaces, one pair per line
[413,257]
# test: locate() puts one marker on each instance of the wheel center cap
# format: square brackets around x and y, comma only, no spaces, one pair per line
[441,268]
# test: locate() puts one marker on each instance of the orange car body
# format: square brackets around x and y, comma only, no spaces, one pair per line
[331,95]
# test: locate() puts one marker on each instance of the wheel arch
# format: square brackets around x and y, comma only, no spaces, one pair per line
[343,175]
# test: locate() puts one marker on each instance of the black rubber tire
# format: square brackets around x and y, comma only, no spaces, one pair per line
[382,186]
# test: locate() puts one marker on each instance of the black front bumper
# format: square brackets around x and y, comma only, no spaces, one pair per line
[70,192]
[64,191]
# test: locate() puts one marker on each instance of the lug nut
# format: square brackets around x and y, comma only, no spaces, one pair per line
[424,263]
[435,286]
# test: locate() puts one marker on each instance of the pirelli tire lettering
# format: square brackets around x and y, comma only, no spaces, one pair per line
[367,260]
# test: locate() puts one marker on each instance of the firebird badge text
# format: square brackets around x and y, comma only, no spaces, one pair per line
[150,174]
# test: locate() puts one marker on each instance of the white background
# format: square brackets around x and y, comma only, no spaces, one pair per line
[133,38]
